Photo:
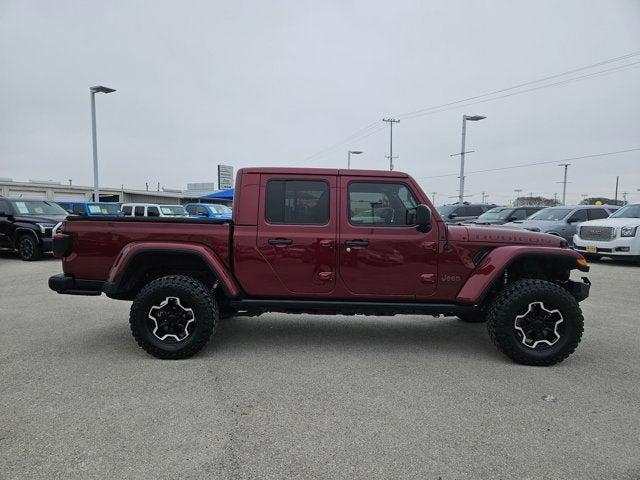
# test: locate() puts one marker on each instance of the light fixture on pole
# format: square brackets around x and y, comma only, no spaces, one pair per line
[351,152]
[471,118]
[94,90]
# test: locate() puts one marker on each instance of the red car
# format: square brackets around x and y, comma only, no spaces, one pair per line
[326,241]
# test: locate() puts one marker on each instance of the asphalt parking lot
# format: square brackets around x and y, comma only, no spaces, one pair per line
[285,396]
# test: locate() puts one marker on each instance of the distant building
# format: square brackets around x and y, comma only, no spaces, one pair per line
[57,191]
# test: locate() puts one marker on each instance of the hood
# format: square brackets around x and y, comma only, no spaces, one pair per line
[53,219]
[502,235]
[613,222]
[485,222]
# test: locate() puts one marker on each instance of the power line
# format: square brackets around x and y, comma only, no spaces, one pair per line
[521,165]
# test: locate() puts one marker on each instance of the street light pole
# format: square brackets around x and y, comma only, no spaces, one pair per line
[473,118]
[355,152]
[564,182]
[390,121]
[93,91]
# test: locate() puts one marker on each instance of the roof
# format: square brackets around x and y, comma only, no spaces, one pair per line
[323,171]
[222,194]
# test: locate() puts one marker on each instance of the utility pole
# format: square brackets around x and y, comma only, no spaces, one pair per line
[564,182]
[517,190]
[390,121]
[94,136]
[624,197]
[433,197]
[484,196]
[555,198]
[472,118]
[616,197]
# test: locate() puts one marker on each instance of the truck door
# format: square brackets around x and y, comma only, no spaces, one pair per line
[297,231]
[380,251]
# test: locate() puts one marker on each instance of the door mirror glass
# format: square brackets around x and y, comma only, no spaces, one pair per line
[423,218]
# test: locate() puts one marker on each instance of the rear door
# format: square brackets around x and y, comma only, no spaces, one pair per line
[297,231]
[381,253]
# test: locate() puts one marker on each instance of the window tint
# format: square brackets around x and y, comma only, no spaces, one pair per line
[139,211]
[519,214]
[5,207]
[380,203]
[596,213]
[473,211]
[579,216]
[297,202]
[531,211]
[78,209]
[127,209]
[152,212]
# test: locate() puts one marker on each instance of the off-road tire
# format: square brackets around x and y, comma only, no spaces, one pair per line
[28,248]
[477,316]
[514,300]
[191,293]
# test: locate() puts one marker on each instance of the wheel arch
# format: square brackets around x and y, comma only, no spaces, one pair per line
[519,261]
[20,231]
[139,263]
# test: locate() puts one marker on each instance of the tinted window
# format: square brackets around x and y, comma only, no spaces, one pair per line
[127,209]
[380,204]
[78,209]
[152,212]
[578,216]
[531,211]
[5,207]
[297,202]
[473,211]
[139,211]
[596,213]
[519,214]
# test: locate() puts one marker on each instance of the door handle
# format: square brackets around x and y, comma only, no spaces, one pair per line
[357,243]
[280,241]
[326,243]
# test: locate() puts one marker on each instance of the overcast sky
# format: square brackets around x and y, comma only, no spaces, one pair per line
[274,82]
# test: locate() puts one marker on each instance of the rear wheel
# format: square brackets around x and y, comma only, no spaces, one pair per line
[535,322]
[28,248]
[173,317]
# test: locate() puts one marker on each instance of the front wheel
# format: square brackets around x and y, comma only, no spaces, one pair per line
[173,317]
[535,322]
[28,248]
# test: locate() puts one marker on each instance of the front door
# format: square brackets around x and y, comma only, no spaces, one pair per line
[297,231]
[381,253]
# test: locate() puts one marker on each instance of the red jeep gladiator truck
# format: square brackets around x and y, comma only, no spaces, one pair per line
[326,241]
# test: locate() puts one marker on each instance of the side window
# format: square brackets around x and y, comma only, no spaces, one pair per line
[5,207]
[473,211]
[127,210]
[579,216]
[139,211]
[78,209]
[153,212]
[519,214]
[202,211]
[531,211]
[190,209]
[596,213]
[380,203]
[297,202]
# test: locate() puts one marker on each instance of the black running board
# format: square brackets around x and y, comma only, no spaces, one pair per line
[257,307]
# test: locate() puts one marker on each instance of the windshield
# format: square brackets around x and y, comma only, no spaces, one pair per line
[445,210]
[38,207]
[220,209]
[551,214]
[628,211]
[104,209]
[495,214]
[173,210]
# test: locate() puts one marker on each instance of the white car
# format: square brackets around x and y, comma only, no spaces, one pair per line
[152,210]
[617,236]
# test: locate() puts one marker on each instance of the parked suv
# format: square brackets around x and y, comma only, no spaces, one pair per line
[153,210]
[617,236]
[457,213]
[92,209]
[561,221]
[26,225]
[502,215]
[214,211]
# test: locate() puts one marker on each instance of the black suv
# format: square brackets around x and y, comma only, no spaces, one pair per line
[26,225]
[457,213]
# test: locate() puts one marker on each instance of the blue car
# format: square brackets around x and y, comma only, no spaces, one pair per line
[92,209]
[214,211]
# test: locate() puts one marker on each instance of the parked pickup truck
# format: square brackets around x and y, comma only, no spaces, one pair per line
[325,241]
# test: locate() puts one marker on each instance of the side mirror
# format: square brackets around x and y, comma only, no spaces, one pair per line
[453,215]
[423,218]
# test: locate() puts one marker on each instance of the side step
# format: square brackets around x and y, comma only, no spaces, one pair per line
[257,307]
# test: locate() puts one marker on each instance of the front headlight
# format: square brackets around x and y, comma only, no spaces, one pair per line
[628,231]
[44,226]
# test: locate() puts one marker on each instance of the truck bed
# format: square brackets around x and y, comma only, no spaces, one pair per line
[98,241]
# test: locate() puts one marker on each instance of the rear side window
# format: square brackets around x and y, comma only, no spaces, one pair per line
[579,216]
[597,213]
[153,212]
[297,202]
[380,203]
[127,209]
[139,211]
